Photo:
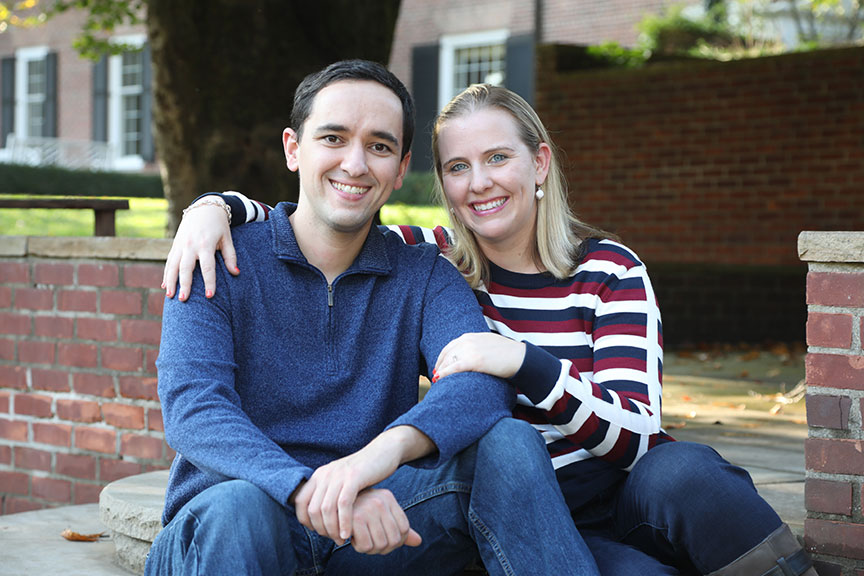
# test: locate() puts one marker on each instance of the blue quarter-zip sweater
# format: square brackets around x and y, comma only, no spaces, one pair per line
[280,373]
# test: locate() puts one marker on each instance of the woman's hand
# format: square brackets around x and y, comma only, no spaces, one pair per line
[480,352]
[201,233]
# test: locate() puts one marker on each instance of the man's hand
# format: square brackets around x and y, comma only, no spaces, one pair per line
[380,525]
[326,502]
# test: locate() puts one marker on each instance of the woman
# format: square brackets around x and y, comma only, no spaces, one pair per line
[577,331]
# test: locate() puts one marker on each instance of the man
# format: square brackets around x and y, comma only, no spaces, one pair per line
[291,395]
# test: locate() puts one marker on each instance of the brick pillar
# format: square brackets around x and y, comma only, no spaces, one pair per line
[834,489]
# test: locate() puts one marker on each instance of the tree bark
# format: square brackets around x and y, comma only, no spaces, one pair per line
[224,74]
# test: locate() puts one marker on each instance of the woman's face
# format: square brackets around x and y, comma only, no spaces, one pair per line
[490,177]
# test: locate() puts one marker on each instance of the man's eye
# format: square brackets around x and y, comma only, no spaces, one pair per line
[381,148]
[331,139]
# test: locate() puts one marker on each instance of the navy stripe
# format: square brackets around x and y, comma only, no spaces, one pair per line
[620,352]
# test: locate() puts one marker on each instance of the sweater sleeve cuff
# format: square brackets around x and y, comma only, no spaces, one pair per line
[238,208]
[431,460]
[538,374]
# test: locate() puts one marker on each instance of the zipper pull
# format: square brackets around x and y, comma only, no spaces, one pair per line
[330,295]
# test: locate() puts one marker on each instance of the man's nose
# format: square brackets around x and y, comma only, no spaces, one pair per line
[354,162]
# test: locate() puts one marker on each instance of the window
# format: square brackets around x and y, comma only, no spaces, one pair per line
[35,72]
[128,100]
[467,59]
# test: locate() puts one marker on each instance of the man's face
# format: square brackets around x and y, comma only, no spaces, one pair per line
[349,155]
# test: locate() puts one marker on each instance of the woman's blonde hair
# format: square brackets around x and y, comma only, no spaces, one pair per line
[558,233]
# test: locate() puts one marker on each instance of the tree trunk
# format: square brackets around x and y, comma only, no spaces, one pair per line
[224,74]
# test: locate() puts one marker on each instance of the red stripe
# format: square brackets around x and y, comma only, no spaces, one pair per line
[623,295]
[609,363]
[543,326]
[441,239]
[611,256]
[407,234]
[620,329]
[619,450]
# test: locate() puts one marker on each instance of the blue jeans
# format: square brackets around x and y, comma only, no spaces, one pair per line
[498,497]
[682,510]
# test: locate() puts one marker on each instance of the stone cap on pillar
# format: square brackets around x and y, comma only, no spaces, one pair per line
[831,246]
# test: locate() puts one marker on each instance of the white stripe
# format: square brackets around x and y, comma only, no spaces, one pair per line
[428,235]
[614,340]
[570,458]
[251,209]
[556,303]
[539,338]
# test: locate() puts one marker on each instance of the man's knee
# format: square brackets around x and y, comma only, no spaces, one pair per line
[513,438]
[235,507]
[513,448]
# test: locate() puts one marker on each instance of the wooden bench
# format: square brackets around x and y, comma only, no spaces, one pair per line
[104,210]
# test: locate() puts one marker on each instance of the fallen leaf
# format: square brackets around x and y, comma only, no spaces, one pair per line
[76,537]
[776,409]
[675,426]
[751,355]
[744,374]
[686,398]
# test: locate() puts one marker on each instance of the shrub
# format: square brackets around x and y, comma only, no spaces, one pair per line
[416,189]
[54,181]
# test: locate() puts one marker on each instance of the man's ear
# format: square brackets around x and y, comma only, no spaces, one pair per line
[403,168]
[291,144]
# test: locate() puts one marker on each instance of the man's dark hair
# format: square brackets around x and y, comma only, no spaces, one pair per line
[352,70]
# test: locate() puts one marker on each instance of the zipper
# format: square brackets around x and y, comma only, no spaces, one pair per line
[330,295]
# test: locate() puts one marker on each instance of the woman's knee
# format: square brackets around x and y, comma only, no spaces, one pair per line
[688,467]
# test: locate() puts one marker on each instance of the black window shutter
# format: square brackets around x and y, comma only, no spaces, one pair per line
[100,100]
[519,76]
[7,105]
[147,149]
[424,88]
[49,127]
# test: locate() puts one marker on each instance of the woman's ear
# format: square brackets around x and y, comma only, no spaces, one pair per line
[290,143]
[542,161]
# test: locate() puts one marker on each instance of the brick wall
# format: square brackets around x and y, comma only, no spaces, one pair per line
[834,451]
[80,323]
[700,162]
[711,170]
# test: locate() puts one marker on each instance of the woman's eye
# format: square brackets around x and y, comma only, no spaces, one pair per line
[497,158]
[458,167]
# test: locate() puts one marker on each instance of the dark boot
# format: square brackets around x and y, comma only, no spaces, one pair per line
[779,554]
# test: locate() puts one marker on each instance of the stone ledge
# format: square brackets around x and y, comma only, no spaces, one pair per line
[132,509]
[99,247]
[13,246]
[831,246]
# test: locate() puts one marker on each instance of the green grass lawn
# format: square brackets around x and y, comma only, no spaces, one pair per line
[146,219]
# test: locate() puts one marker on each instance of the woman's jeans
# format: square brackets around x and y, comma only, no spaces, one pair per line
[499,497]
[682,505]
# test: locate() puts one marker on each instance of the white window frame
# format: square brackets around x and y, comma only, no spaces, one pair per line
[129,162]
[23,57]
[448,45]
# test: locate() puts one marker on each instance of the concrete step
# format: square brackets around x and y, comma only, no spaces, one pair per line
[132,509]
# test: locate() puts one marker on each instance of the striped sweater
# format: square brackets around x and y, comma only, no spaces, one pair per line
[592,374]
